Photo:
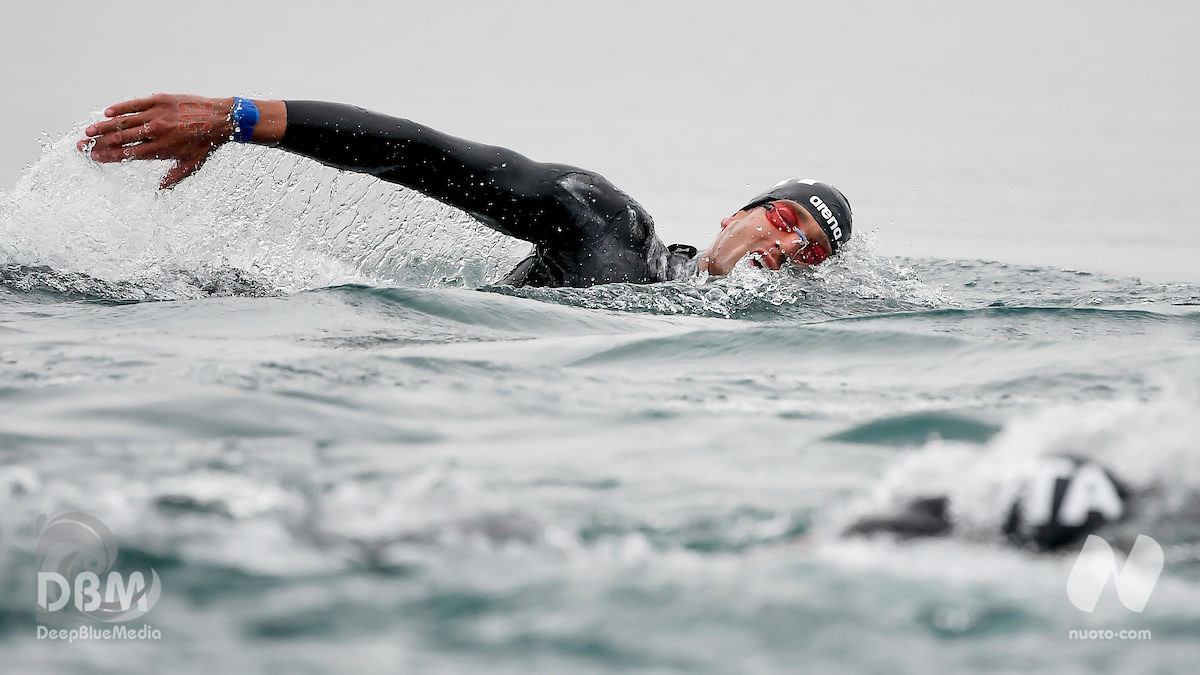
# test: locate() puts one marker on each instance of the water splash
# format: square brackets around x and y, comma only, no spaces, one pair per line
[859,281]
[284,221]
[265,221]
[1146,443]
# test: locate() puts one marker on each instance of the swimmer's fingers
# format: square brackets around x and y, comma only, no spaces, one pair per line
[182,169]
[125,115]
[134,105]
[145,132]
[181,128]
[147,150]
[118,123]
[116,139]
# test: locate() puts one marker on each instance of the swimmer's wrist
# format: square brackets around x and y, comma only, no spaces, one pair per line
[243,117]
[268,125]
[222,128]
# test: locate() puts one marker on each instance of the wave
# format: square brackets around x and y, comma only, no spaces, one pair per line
[812,341]
[499,313]
[905,334]
[286,221]
[860,281]
[257,222]
[44,283]
[1147,443]
[917,429]
[978,283]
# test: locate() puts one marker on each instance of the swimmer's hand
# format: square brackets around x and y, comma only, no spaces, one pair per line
[184,128]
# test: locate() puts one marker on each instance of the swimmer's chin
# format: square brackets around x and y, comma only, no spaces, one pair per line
[716,264]
[759,258]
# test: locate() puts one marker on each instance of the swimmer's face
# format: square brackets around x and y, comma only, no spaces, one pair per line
[757,231]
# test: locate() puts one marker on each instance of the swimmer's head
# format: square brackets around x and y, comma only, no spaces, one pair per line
[1063,500]
[801,221]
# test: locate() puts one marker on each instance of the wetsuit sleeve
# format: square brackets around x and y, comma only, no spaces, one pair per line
[505,190]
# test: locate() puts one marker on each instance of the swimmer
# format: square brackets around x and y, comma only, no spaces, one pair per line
[1061,502]
[583,229]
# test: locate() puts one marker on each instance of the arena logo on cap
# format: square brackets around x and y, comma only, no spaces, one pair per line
[827,214]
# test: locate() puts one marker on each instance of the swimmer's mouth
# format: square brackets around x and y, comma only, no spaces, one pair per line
[763,260]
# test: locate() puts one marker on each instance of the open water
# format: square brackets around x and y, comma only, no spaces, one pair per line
[298,400]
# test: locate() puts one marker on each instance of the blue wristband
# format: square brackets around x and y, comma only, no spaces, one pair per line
[244,116]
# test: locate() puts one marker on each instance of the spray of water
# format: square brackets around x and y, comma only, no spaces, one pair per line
[255,221]
[858,281]
[1145,443]
[287,223]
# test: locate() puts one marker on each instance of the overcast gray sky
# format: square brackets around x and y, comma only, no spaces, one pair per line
[956,129]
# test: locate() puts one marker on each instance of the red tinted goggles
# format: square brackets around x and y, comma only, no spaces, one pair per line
[785,219]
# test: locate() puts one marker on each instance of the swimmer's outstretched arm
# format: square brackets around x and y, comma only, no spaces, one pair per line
[505,190]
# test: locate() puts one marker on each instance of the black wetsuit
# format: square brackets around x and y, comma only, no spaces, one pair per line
[584,230]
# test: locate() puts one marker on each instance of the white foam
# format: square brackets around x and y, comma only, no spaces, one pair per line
[1148,444]
[288,221]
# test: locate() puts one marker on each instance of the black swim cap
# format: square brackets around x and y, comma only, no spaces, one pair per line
[1066,499]
[828,206]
